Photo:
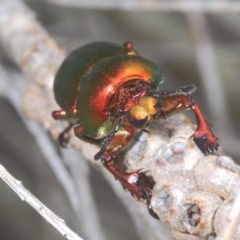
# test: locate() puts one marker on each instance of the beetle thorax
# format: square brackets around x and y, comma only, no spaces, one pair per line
[126,96]
[140,114]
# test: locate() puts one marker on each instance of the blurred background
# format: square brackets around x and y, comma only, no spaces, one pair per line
[191,47]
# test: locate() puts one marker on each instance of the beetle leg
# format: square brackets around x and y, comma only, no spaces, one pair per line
[59,114]
[64,136]
[186,90]
[137,183]
[176,100]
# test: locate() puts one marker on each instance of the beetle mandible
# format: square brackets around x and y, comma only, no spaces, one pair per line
[109,93]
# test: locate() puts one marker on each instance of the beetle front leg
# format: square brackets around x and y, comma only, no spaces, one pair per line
[173,101]
[137,183]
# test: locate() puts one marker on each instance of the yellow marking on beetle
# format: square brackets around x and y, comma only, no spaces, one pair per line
[138,112]
[148,103]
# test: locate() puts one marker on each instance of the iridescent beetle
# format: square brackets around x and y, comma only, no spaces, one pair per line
[108,94]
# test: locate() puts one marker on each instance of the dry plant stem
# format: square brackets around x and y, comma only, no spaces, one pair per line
[190,189]
[166,6]
[207,65]
[46,213]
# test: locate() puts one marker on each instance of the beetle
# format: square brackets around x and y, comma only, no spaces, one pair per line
[109,93]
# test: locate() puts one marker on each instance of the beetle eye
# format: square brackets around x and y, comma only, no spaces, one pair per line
[138,116]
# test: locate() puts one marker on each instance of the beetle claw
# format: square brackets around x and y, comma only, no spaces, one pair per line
[64,136]
[150,210]
[139,184]
[206,145]
[146,184]
[63,139]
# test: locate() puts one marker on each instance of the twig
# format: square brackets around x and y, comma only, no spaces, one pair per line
[46,213]
[207,65]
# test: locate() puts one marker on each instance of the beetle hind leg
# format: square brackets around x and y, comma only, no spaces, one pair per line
[64,136]
[59,114]
[70,116]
